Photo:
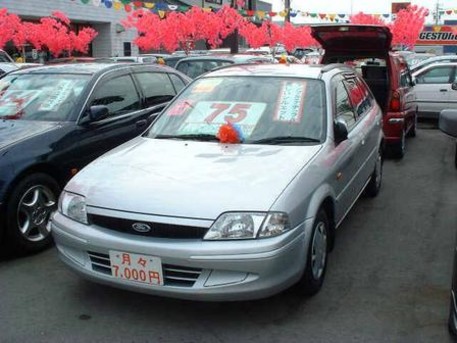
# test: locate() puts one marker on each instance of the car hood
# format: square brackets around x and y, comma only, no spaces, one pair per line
[190,179]
[362,40]
[13,131]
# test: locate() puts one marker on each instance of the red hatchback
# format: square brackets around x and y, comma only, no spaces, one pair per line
[367,47]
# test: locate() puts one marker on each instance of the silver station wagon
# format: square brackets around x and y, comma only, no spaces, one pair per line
[235,192]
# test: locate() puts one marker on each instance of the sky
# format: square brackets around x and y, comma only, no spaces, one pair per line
[356,6]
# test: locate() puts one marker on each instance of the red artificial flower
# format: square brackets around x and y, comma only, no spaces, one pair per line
[228,134]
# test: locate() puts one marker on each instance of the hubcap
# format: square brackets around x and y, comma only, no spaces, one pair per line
[319,250]
[35,207]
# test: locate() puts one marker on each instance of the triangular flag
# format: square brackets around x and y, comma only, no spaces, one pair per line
[313,15]
[261,14]
[332,16]
[96,3]
[149,4]
[138,3]
[172,7]
[282,13]
[436,28]
[386,15]
[117,6]
[322,15]
[272,14]
[341,15]
[449,12]
[206,9]
[127,8]
[108,3]
[162,14]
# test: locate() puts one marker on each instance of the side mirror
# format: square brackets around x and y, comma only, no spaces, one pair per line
[448,122]
[340,130]
[454,86]
[95,113]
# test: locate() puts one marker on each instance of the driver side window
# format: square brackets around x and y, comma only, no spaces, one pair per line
[118,94]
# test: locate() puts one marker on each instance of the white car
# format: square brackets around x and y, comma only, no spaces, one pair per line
[432,60]
[435,89]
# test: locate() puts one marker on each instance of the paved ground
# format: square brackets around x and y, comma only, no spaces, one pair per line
[388,279]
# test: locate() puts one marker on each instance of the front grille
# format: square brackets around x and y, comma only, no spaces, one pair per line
[159,230]
[177,276]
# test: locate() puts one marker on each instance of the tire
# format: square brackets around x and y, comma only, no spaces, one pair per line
[27,213]
[316,260]
[374,186]
[398,149]
[452,320]
[412,130]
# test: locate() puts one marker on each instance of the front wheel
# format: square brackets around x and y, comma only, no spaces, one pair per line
[316,261]
[398,149]
[28,210]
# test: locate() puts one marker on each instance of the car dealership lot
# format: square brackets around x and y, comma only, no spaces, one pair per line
[388,280]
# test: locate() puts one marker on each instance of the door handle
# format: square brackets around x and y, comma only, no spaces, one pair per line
[141,123]
[443,90]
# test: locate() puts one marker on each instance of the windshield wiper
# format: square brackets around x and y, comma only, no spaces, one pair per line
[193,136]
[285,139]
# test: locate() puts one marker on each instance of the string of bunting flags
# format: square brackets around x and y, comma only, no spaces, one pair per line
[162,8]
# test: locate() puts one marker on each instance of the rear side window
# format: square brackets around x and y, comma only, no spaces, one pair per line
[157,88]
[118,94]
[359,96]
[344,108]
[177,82]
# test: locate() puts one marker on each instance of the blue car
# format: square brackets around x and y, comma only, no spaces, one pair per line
[56,119]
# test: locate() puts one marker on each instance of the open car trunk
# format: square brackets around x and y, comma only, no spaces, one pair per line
[366,47]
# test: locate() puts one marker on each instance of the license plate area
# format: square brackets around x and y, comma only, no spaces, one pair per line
[136,267]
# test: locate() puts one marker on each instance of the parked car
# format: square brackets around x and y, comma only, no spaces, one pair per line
[416,58]
[74,59]
[194,66]
[390,81]
[4,57]
[136,59]
[436,89]
[432,60]
[54,121]
[448,124]
[6,67]
[236,190]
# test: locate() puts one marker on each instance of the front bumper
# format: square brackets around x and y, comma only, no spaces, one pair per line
[214,270]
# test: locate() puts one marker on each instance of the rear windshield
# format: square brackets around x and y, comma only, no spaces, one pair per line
[262,108]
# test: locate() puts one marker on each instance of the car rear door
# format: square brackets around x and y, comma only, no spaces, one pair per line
[349,153]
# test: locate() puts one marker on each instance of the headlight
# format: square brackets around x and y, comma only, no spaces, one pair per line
[248,225]
[73,206]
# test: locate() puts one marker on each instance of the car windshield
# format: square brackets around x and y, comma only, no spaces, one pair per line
[49,97]
[265,110]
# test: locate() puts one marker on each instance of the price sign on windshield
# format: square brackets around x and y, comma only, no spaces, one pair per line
[207,116]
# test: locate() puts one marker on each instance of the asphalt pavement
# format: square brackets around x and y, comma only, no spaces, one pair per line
[388,279]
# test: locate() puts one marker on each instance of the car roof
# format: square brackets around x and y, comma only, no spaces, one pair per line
[313,71]
[86,68]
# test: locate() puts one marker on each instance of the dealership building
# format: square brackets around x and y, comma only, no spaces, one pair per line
[105,16]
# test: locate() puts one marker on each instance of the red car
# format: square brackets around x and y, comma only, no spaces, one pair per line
[385,72]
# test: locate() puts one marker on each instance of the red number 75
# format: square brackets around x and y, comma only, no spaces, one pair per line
[236,113]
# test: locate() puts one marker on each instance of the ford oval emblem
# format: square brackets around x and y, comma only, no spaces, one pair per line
[141,227]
